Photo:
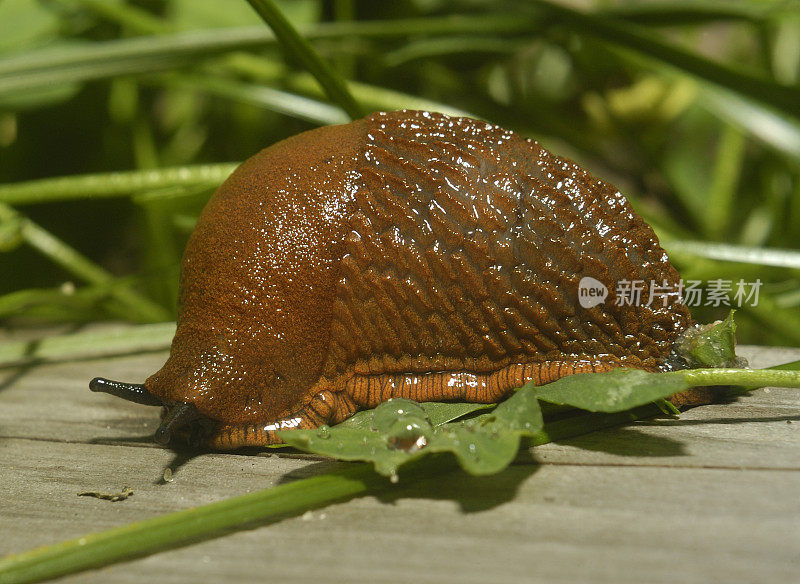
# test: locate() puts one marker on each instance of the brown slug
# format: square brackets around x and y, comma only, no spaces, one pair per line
[407,254]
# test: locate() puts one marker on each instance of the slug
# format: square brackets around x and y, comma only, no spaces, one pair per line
[407,254]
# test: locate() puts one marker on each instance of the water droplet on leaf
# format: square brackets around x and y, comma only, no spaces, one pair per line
[386,413]
[409,434]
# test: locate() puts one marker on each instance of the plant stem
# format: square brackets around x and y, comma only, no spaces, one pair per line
[643,41]
[112,184]
[741,377]
[172,530]
[334,85]
[70,259]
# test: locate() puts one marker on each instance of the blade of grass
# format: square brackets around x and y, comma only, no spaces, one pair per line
[74,262]
[65,64]
[130,16]
[783,258]
[300,48]
[785,321]
[428,48]
[183,527]
[769,126]
[692,12]
[275,100]
[793,215]
[161,253]
[373,97]
[53,304]
[379,98]
[725,182]
[89,344]
[71,64]
[642,40]
[772,377]
[112,184]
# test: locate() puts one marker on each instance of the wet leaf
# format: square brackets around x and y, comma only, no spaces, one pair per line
[398,431]
[438,413]
[613,391]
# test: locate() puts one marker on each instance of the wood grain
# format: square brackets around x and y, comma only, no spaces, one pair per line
[711,497]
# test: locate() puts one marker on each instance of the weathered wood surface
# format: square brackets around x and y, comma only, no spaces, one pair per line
[711,497]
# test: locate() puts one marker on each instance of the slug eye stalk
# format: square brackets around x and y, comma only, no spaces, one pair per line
[176,417]
[133,392]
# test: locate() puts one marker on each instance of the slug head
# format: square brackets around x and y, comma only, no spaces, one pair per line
[258,279]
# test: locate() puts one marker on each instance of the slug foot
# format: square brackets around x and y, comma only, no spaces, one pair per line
[367,391]
[184,423]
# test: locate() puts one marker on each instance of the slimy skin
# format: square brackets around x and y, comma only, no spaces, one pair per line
[407,254]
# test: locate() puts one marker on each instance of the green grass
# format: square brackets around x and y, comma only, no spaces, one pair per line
[118,119]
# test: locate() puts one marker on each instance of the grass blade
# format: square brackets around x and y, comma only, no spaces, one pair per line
[642,40]
[175,529]
[70,259]
[769,126]
[782,258]
[113,184]
[275,100]
[86,345]
[727,172]
[692,12]
[740,377]
[380,98]
[373,97]
[69,64]
[331,82]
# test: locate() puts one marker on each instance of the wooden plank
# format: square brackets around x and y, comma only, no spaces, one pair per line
[548,523]
[710,497]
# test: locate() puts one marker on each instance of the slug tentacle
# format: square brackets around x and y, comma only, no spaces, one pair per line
[177,417]
[134,392]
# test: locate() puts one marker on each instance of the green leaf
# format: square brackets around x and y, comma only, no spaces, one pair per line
[710,345]
[399,431]
[613,391]
[438,413]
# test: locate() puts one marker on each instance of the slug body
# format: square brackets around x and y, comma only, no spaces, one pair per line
[407,254]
